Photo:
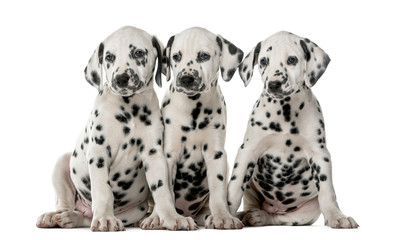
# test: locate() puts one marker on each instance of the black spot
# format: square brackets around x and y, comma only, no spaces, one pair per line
[323,177]
[289,201]
[152,151]
[99,140]
[275,126]
[294,130]
[121,118]
[307,54]
[185,128]
[183,138]
[115,177]
[87,182]
[297,149]
[219,42]
[205,147]
[143,118]
[165,103]
[279,195]
[196,111]
[125,185]
[288,142]
[135,110]
[126,130]
[160,184]
[301,106]
[286,112]
[218,154]
[100,162]
[99,127]
[100,53]
[204,123]
[220,177]
[108,148]
[124,146]
[208,111]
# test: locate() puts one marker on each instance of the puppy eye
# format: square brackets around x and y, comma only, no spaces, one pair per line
[138,53]
[176,57]
[110,57]
[202,56]
[264,61]
[292,60]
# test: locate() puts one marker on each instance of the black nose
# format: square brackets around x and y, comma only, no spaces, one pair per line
[275,86]
[122,80]
[187,81]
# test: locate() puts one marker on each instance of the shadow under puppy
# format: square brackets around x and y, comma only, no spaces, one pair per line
[194,113]
[283,168]
[118,156]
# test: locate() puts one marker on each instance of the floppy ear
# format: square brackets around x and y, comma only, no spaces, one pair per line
[316,61]
[230,57]
[93,71]
[167,56]
[160,49]
[247,66]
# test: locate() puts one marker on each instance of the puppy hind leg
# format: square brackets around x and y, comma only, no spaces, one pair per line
[306,215]
[65,215]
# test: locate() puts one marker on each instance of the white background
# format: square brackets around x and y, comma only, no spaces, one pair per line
[45,99]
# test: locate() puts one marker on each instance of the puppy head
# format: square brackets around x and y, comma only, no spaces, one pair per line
[286,63]
[128,59]
[195,56]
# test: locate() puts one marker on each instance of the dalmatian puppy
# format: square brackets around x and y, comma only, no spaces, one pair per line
[283,168]
[118,158]
[194,113]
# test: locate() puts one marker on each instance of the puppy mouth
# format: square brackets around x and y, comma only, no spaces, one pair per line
[191,91]
[189,83]
[279,95]
[136,87]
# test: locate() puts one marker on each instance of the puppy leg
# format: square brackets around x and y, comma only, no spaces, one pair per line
[65,215]
[220,218]
[245,162]
[102,195]
[158,180]
[320,164]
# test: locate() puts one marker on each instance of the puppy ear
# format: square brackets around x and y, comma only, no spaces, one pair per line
[160,49]
[167,56]
[316,61]
[230,57]
[93,71]
[247,66]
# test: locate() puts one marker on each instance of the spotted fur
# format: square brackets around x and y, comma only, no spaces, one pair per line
[283,168]
[118,158]
[194,114]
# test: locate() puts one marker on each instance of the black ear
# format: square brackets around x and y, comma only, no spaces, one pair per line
[93,71]
[247,66]
[316,61]
[231,57]
[159,47]
[167,53]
